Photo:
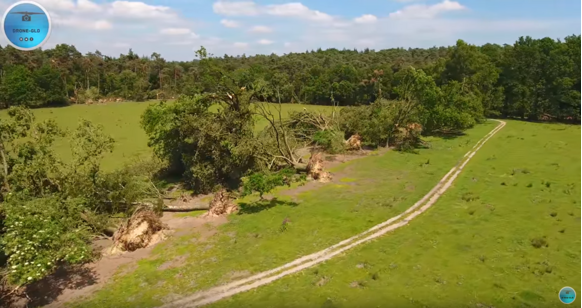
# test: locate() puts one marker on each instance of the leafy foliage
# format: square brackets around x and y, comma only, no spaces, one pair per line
[264,182]
[331,141]
[40,233]
[208,148]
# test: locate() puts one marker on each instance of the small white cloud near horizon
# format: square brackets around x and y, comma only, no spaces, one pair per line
[102,25]
[175,31]
[261,29]
[366,19]
[265,42]
[240,45]
[230,23]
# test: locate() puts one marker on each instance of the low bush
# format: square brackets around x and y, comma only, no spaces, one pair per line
[330,141]
[40,233]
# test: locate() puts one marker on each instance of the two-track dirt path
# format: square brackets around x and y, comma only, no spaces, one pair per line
[220,292]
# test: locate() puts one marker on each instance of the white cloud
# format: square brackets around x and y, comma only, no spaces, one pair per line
[427,11]
[287,44]
[240,8]
[140,10]
[88,6]
[230,23]
[240,45]
[90,15]
[261,29]
[296,9]
[80,23]
[57,5]
[103,25]
[249,8]
[366,18]
[265,42]
[175,31]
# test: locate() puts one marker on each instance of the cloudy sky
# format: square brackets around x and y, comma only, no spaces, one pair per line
[176,28]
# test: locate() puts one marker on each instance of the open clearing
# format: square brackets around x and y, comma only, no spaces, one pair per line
[364,193]
[122,122]
[476,247]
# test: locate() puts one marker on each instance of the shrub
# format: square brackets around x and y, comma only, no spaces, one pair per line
[40,233]
[382,123]
[331,141]
[264,181]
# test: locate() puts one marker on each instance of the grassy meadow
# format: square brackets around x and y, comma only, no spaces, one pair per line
[366,192]
[122,122]
[507,234]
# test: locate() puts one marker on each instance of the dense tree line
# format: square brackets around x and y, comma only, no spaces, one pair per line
[532,79]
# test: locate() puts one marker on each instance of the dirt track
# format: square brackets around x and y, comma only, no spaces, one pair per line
[220,292]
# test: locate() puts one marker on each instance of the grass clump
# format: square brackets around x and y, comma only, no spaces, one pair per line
[539,242]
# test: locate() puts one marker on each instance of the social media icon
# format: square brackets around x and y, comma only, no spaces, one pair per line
[567,295]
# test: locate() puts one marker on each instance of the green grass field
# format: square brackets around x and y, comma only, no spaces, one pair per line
[475,247]
[122,122]
[368,191]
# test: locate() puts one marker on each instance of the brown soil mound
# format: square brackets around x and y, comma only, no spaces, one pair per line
[315,168]
[142,229]
[221,204]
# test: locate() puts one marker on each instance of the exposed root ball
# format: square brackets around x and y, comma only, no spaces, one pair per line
[142,229]
[221,204]
[315,168]
[354,142]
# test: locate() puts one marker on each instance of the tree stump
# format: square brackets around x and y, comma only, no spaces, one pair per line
[221,204]
[315,168]
[142,229]
[354,142]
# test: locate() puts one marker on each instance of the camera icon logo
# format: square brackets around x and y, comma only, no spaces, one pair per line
[26,18]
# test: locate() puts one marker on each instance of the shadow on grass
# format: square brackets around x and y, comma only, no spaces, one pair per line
[448,134]
[261,205]
[46,291]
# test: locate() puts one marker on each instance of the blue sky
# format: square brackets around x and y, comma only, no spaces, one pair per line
[176,28]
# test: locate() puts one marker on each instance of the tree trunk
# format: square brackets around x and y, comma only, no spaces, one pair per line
[301,167]
[195,207]
[5,169]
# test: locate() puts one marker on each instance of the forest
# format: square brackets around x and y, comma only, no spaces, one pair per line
[534,79]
